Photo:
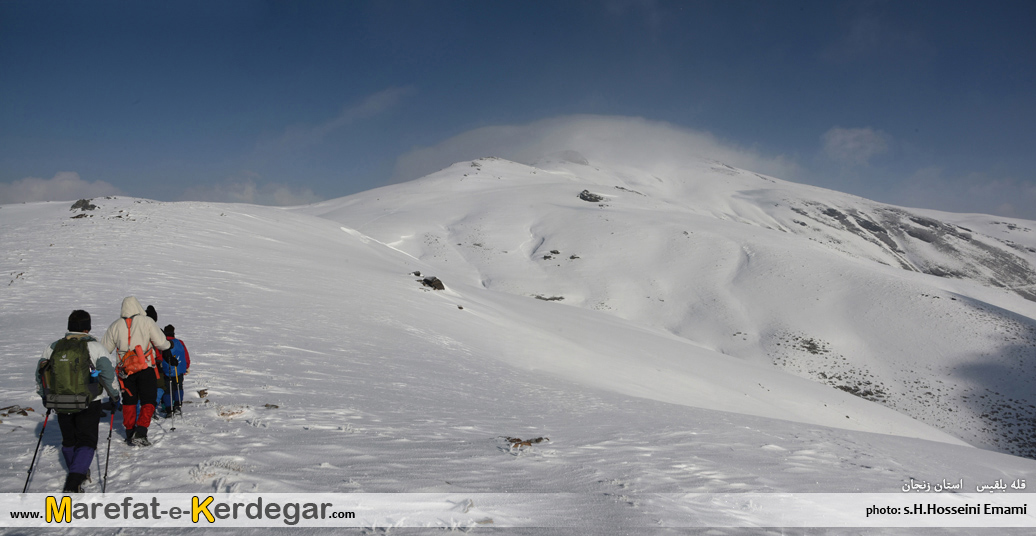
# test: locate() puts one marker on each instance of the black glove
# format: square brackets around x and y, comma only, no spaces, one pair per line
[113,405]
[168,357]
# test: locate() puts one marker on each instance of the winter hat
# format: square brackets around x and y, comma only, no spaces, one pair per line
[169,331]
[152,313]
[79,321]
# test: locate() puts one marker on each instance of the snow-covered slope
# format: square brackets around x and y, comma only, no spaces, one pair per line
[928,313]
[320,362]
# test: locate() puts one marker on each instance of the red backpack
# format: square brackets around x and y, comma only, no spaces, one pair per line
[134,360]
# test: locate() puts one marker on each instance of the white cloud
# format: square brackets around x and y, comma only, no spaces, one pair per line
[64,186]
[854,146]
[650,145]
[246,190]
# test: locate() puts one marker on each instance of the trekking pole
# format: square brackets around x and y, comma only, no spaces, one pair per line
[172,402]
[169,390]
[31,464]
[108,457]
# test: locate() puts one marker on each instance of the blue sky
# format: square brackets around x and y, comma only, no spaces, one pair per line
[929,104]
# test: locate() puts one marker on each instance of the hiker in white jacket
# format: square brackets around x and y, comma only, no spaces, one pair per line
[138,341]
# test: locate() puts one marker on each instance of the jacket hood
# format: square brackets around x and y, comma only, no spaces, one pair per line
[131,307]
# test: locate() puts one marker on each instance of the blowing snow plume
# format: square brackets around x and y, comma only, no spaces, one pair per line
[654,146]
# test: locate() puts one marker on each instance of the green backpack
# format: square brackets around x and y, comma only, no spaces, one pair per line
[66,376]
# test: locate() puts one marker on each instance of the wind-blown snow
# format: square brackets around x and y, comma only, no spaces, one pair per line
[689,337]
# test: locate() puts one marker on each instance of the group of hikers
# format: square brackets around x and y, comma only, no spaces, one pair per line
[75,372]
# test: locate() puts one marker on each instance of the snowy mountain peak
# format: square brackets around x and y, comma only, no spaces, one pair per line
[895,305]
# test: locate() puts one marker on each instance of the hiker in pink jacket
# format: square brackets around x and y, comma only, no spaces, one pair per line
[137,340]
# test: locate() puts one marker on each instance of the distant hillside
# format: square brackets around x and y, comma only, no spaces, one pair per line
[929,313]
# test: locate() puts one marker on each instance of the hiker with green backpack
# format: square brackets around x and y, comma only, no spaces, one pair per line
[136,339]
[71,378]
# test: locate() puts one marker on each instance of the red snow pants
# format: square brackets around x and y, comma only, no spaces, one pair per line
[139,387]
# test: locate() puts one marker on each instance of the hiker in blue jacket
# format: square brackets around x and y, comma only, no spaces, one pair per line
[176,362]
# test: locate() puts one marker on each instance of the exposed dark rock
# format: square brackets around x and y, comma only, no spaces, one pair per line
[923,235]
[942,272]
[83,204]
[628,190]
[433,282]
[870,226]
[925,222]
[836,215]
[585,195]
[879,232]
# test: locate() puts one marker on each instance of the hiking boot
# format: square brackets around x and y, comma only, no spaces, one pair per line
[140,437]
[177,409]
[129,436]
[74,483]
